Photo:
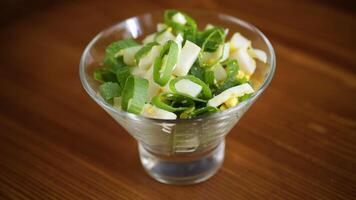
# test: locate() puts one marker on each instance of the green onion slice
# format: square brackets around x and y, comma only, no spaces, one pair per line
[122,74]
[203,111]
[245,97]
[197,71]
[165,63]
[232,69]
[210,39]
[172,102]
[189,34]
[190,24]
[115,48]
[144,51]
[159,33]
[113,58]
[209,77]
[113,63]
[109,90]
[104,75]
[212,47]
[205,94]
[187,113]
[134,94]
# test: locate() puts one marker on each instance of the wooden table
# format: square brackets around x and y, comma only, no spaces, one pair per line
[298,141]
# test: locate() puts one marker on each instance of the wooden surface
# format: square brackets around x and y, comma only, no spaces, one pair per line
[298,141]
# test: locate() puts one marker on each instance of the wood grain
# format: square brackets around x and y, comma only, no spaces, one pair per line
[298,141]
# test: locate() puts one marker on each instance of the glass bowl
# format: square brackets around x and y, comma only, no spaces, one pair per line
[181,151]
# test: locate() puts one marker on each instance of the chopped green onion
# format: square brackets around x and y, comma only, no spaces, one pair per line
[161,26]
[192,112]
[172,102]
[209,77]
[104,75]
[258,54]
[197,71]
[212,46]
[190,34]
[231,69]
[188,29]
[163,37]
[157,113]
[113,57]
[115,48]
[109,90]
[212,38]
[165,63]
[219,73]
[187,113]
[159,33]
[246,63]
[188,87]
[232,93]
[117,103]
[113,63]
[178,27]
[134,94]
[209,59]
[122,74]
[149,38]
[188,55]
[178,71]
[129,55]
[144,51]
[179,18]
[206,93]
[238,41]
[245,97]
[203,111]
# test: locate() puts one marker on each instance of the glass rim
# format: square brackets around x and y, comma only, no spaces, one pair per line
[218,114]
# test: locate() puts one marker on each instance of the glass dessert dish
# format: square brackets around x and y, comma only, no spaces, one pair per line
[181,151]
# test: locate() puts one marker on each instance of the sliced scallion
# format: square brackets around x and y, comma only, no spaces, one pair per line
[104,75]
[115,48]
[206,93]
[109,90]
[144,51]
[134,94]
[172,102]
[122,74]
[165,63]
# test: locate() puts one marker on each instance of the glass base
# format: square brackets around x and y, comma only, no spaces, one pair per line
[183,169]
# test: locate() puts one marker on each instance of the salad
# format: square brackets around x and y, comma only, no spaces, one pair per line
[178,71]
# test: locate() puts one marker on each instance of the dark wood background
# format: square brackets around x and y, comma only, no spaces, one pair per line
[298,141]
